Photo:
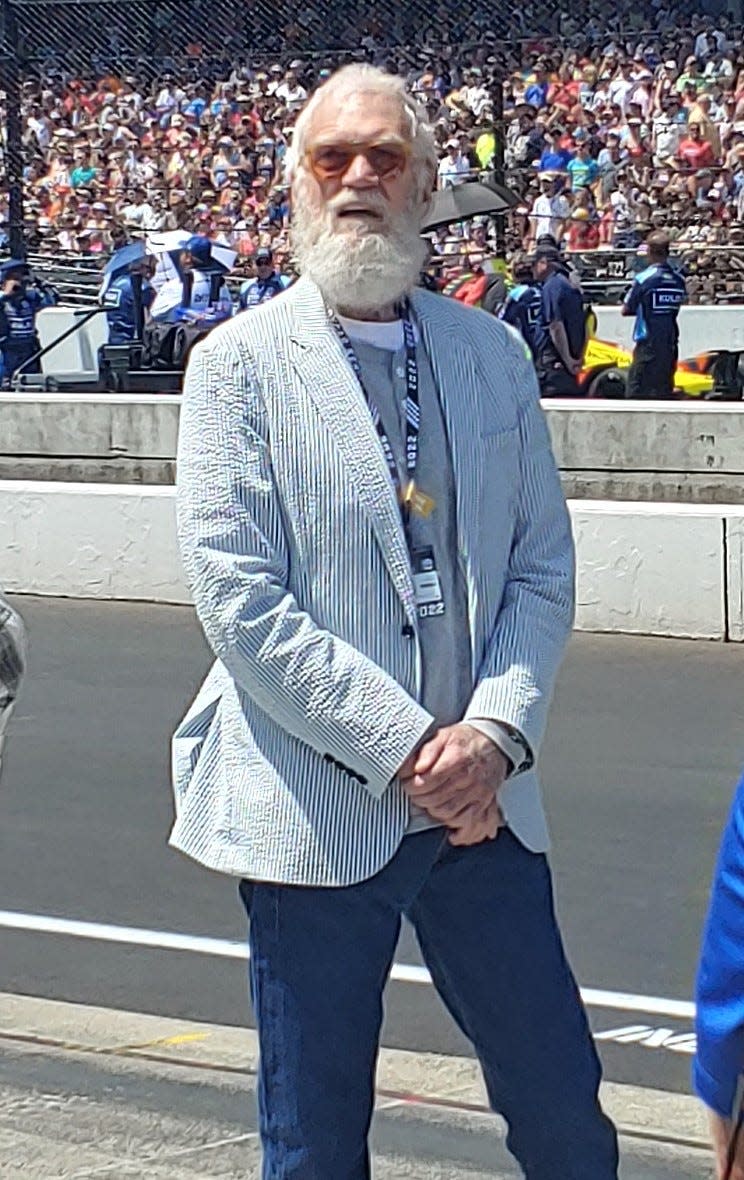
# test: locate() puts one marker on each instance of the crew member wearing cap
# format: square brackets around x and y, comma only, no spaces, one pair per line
[655,298]
[522,306]
[198,294]
[561,327]
[267,283]
[19,306]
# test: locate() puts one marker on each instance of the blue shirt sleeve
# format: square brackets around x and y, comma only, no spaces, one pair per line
[720,979]
[633,297]
[550,303]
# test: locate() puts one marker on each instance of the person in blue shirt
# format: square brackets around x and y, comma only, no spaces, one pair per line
[582,169]
[554,158]
[521,308]
[561,327]
[718,1067]
[266,284]
[120,301]
[19,306]
[536,93]
[655,298]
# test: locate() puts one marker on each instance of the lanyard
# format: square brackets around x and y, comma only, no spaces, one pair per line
[412,411]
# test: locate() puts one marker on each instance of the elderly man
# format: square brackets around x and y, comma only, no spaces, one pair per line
[380,556]
[12,659]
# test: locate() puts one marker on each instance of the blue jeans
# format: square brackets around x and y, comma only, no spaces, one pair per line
[485,922]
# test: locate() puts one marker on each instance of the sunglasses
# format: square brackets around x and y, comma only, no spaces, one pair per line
[329,161]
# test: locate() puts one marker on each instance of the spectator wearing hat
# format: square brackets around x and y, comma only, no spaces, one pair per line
[266,285]
[454,167]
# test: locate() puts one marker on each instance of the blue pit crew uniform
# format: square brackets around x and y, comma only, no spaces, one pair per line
[655,299]
[256,291]
[121,315]
[522,311]
[19,339]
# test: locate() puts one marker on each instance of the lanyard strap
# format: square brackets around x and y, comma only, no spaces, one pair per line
[413,413]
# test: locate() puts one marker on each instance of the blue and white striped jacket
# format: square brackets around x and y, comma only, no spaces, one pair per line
[292,541]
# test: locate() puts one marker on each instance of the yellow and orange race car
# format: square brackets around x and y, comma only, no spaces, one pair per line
[604,373]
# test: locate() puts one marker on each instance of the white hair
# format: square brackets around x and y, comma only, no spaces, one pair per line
[369,268]
[366,79]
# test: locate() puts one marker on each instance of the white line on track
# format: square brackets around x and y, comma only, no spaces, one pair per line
[226,948]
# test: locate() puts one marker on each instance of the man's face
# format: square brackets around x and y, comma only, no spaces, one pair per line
[263,267]
[542,269]
[357,164]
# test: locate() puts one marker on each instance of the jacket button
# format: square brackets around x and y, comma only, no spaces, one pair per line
[407,630]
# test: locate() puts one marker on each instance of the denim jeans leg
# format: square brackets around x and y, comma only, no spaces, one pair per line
[319,962]
[487,929]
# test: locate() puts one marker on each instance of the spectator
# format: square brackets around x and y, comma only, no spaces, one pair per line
[454,167]
[582,169]
[289,92]
[694,152]
[207,133]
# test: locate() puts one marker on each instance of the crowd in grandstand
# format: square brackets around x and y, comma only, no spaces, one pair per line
[613,124]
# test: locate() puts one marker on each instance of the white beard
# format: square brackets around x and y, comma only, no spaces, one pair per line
[359,269]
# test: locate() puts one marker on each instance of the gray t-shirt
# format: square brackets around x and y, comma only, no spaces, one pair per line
[445,639]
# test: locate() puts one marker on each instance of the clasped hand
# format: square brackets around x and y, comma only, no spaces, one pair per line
[455,778]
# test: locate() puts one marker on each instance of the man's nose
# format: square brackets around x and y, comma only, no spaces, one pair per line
[360,173]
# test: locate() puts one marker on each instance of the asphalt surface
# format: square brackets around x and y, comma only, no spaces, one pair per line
[70,1116]
[644,747]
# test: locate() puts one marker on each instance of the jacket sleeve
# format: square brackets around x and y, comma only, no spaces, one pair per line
[720,978]
[12,660]
[516,681]
[236,554]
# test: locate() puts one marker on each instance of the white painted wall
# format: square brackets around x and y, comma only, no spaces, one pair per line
[90,541]
[651,569]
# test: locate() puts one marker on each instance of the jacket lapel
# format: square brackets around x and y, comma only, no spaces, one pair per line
[320,364]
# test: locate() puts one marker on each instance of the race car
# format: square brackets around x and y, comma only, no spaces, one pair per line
[604,373]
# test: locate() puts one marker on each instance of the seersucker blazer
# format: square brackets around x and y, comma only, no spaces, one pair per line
[284,766]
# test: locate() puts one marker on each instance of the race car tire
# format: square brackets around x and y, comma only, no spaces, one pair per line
[610,383]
